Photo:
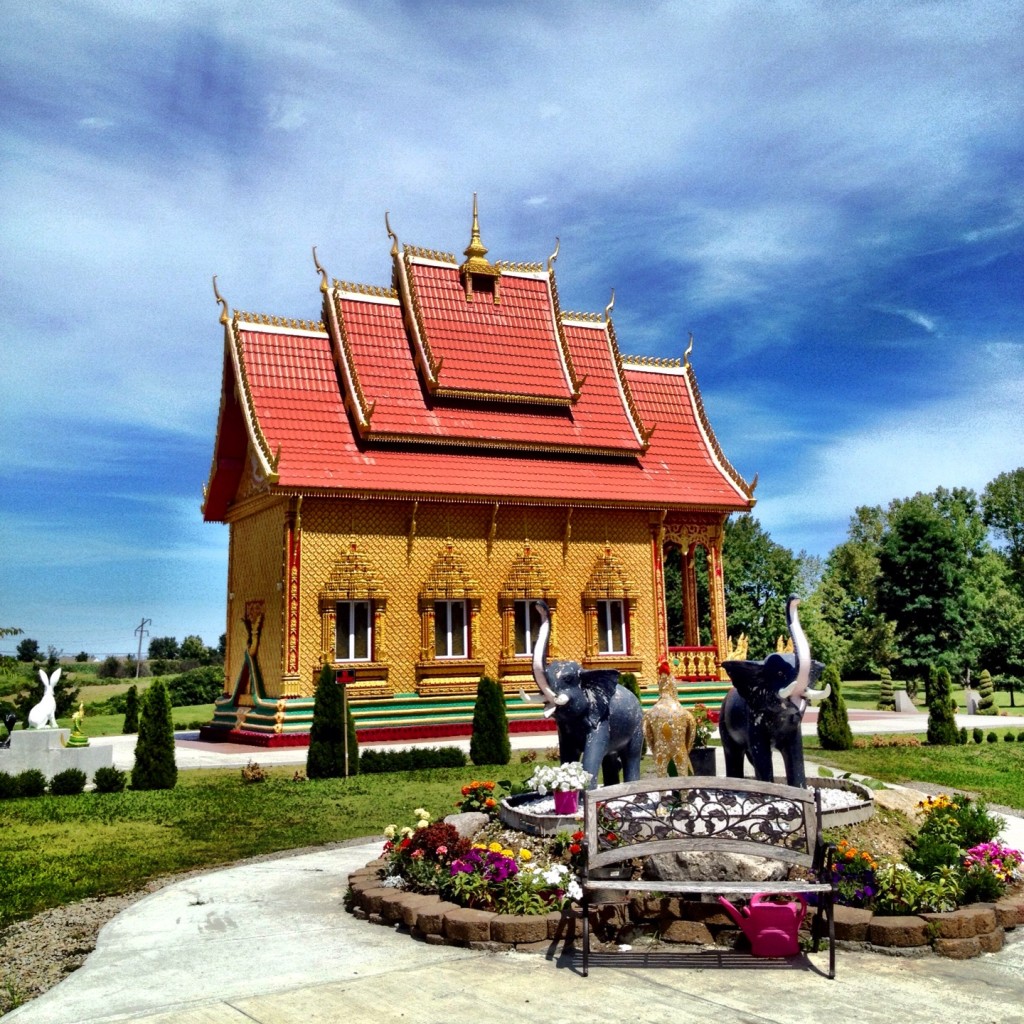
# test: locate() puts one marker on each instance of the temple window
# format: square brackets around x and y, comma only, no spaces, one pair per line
[527,622]
[450,629]
[354,631]
[611,628]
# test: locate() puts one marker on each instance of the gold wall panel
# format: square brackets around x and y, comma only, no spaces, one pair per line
[487,547]
[256,573]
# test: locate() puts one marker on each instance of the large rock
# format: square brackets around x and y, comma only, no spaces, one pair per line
[468,823]
[712,867]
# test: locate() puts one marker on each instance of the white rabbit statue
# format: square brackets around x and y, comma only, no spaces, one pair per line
[44,714]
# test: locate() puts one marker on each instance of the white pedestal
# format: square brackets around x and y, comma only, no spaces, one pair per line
[42,749]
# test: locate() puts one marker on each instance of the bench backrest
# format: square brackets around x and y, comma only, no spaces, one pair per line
[701,814]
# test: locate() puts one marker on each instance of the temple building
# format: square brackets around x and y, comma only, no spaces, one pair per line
[404,476]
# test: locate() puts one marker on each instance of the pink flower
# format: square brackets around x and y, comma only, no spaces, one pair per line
[416,854]
[442,850]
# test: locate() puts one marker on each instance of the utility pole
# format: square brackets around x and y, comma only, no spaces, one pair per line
[142,631]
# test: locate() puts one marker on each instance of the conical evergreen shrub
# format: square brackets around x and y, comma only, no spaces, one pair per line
[987,695]
[490,743]
[326,757]
[131,710]
[942,730]
[886,697]
[833,721]
[155,767]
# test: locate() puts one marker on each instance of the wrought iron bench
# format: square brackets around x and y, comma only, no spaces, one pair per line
[702,814]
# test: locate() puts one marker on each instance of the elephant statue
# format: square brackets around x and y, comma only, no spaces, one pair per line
[668,727]
[599,721]
[766,705]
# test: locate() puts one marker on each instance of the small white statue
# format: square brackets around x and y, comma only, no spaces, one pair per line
[44,714]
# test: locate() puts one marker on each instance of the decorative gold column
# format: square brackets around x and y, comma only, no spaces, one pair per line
[292,585]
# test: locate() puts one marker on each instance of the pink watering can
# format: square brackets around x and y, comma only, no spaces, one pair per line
[772,928]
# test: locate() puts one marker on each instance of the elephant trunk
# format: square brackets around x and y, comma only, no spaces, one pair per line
[552,700]
[799,691]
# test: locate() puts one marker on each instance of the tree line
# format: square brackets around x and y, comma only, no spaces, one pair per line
[936,579]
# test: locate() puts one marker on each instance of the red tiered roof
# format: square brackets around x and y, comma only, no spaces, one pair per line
[349,409]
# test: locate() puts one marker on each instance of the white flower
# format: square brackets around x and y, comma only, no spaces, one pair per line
[407,830]
[389,832]
[573,890]
[566,777]
[421,813]
[422,823]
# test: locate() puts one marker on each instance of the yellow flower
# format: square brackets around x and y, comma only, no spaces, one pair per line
[525,854]
[479,846]
[495,847]
[507,853]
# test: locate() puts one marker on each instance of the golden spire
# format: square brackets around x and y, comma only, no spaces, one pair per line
[476,251]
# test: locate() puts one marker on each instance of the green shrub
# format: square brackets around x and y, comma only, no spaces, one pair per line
[978,734]
[131,711]
[991,737]
[109,780]
[379,761]
[155,767]
[490,743]
[197,686]
[327,734]
[942,729]
[986,694]
[31,782]
[1020,736]
[1009,737]
[886,697]
[8,786]
[963,735]
[111,668]
[628,680]
[69,782]
[833,722]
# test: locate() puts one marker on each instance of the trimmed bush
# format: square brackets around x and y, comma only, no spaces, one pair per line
[628,680]
[31,782]
[833,721]
[490,743]
[155,767]
[131,711]
[942,730]
[991,737]
[986,694]
[8,786]
[886,697]
[109,780]
[979,735]
[1020,736]
[1008,737]
[326,757]
[963,735]
[380,761]
[69,782]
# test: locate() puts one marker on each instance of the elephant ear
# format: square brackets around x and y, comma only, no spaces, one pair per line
[779,670]
[599,685]
[748,678]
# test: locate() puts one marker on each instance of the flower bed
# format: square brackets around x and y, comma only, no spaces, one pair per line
[957,893]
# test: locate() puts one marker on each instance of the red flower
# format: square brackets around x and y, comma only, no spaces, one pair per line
[575,848]
[577,836]
[611,837]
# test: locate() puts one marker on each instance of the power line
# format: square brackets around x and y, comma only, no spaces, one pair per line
[142,631]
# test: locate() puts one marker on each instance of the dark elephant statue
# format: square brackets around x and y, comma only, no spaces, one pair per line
[766,706]
[599,721]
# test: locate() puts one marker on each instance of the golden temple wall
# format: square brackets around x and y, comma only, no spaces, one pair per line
[400,543]
[255,573]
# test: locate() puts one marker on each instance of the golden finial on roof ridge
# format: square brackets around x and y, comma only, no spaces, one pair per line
[476,251]
[554,255]
[611,305]
[224,318]
[689,349]
[321,272]
[391,235]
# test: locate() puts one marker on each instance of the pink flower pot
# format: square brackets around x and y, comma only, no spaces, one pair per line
[566,802]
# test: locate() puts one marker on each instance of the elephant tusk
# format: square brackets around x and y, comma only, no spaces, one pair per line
[550,710]
[787,691]
[815,695]
[523,695]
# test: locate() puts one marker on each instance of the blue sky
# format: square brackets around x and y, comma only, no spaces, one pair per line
[829,195]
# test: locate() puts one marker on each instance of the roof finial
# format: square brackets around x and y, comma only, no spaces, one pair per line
[554,255]
[321,272]
[223,302]
[611,305]
[391,235]
[476,251]
[689,349]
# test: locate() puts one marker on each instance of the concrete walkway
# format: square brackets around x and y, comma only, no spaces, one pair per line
[269,942]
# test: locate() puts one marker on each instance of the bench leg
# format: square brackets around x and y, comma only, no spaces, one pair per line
[586,936]
[831,938]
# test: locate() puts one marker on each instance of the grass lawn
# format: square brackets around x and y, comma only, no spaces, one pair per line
[56,850]
[112,725]
[995,771]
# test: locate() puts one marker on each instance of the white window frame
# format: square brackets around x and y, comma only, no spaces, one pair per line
[345,630]
[443,629]
[525,608]
[605,626]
